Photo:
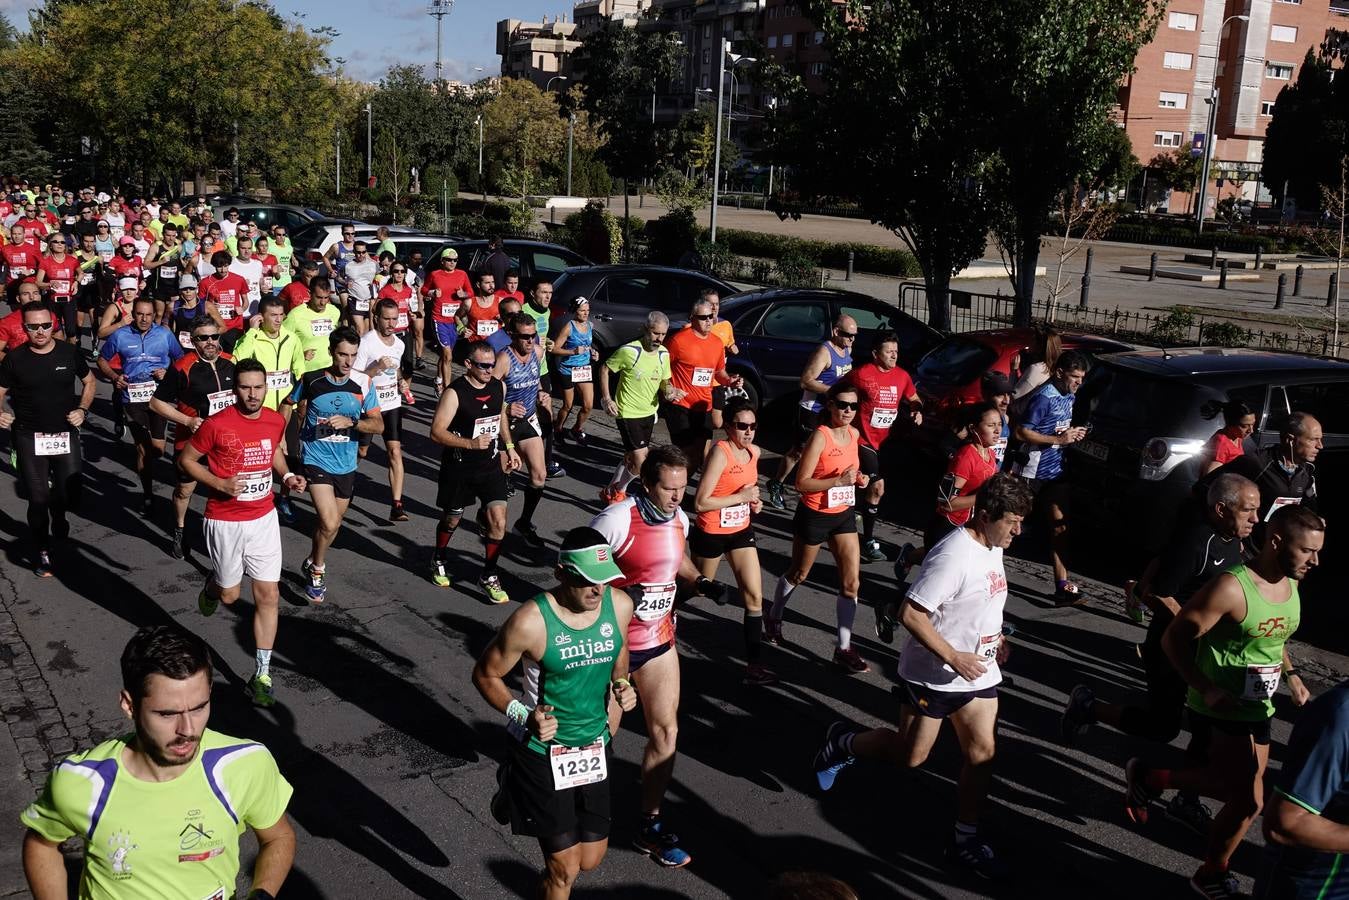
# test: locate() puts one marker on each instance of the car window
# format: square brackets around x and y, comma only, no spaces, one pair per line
[261,217]
[956,361]
[548,265]
[796,321]
[687,291]
[1253,395]
[630,290]
[291,219]
[915,338]
[1327,400]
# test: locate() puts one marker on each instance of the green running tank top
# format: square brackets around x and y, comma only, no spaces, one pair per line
[573,676]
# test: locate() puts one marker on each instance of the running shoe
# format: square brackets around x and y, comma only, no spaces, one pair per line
[1216,885]
[495,592]
[885,622]
[397,513]
[1077,714]
[772,632]
[530,535]
[555,470]
[1189,811]
[1067,593]
[285,511]
[902,564]
[176,545]
[1133,604]
[580,437]
[1137,795]
[317,589]
[662,845]
[831,758]
[872,552]
[758,674]
[439,577]
[206,604]
[43,569]
[850,661]
[260,690]
[775,498]
[977,858]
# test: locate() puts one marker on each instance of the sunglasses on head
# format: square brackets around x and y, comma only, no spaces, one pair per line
[845,405]
[38,326]
[745,426]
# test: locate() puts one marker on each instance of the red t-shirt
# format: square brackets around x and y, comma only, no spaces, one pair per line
[230,296]
[504,294]
[62,277]
[295,294]
[1225,447]
[268,271]
[694,364]
[401,297]
[32,228]
[127,268]
[880,394]
[969,465]
[446,306]
[21,260]
[235,444]
[12,331]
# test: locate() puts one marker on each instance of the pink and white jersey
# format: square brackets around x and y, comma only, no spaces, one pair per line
[649,556]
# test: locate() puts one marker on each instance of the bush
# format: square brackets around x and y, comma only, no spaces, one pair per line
[796,270]
[718,260]
[1224,334]
[497,211]
[671,236]
[594,233]
[1174,329]
[866,257]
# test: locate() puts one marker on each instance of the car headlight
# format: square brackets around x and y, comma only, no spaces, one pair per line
[1161,455]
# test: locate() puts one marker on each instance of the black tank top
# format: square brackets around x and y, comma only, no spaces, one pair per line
[479,409]
[184,319]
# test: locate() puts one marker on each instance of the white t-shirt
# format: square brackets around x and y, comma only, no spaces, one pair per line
[361,279]
[963,585]
[251,272]
[372,348]
[228,229]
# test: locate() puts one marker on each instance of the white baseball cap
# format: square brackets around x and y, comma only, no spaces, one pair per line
[127,282]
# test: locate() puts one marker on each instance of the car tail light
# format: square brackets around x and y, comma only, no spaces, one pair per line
[1157,451]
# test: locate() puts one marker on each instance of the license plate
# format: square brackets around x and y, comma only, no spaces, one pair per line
[1094,450]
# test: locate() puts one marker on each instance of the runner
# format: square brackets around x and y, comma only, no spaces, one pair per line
[1226,444]
[166,262]
[135,802]
[725,332]
[1285,472]
[336,407]
[1195,554]
[882,387]
[37,378]
[538,306]
[825,513]
[470,423]
[444,291]
[284,251]
[281,354]
[643,370]
[726,502]
[1229,643]
[511,290]
[251,270]
[21,257]
[1046,427]
[480,316]
[314,324]
[951,666]
[359,275]
[827,366]
[228,291]
[127,263]
[263,253]
[199,384]
[397,289]
[146,351]
[187,310]
[58,274]
[517,367]
[573,369]
[569,642]
[118,313]
[377,361]
[697,363]
[296,293]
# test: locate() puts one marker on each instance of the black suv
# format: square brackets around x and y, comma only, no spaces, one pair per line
[535,260]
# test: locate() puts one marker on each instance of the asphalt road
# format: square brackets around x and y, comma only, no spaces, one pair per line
[391,751]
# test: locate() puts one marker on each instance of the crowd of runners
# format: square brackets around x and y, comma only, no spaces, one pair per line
[275,379]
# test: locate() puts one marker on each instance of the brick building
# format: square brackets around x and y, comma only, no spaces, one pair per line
[536,51]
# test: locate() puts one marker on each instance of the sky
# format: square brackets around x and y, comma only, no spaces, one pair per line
[376,34]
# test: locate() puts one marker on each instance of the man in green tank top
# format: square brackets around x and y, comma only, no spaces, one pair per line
[569,642]
[1229,643]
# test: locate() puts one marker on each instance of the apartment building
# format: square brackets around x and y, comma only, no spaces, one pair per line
[1242,51]
[536,51]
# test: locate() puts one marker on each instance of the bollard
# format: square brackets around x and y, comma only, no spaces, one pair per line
[1258,249]
[1278,296]
[1333,293]
[1086,279]
[1297,282]
[554,215]
[1222,275]
[1152,268]
[1213,257]
[848,275]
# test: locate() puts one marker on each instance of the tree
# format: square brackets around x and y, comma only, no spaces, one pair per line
[623,68]
[20,152]
[1305,140]
[431,126]
[1055,84]
[525,137]
[1178,170]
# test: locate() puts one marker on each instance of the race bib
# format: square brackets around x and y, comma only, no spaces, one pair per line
[577,766]
[117,230]
[185,339]
[140,392]
[61,288]
[402,321]
[842,495]
[487,327]
[57,444]
[414,303]
[278,381]
[325,432]
[266,284]
[489,425]
[86,278]
[655,602]
[321,327]
[447,310]
[735,516]
[106,256]
[257,486]
[702,377]
[387,394]
[580,375]
[219,400]
[168,272]
[988,647]
[226,310]
[883,418]
[1281,501]
[361,305]
[1262,681]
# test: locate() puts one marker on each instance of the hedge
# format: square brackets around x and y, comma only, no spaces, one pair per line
[829,254]
[1281,240]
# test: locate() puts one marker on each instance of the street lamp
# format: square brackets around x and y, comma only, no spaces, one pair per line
[1209,140]
[571,124]
[550,81]
[724,49]
[736,59]
[481,183]
[369,148]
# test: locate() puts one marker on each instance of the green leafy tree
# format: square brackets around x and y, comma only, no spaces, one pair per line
[1178,170]
[20,151]
[525,137]
[1306,138]
[431,127]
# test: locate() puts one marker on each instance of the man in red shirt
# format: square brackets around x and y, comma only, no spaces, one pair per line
[234,454]
[229,292]
[297,292]
[444,290]
[32,224]
[511,290]
[21,257]
[12,333]
[697,362]
[882,386]
[59,275]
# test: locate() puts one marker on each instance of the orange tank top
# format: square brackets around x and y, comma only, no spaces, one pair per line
[483,320]
[834,458]
[734,478]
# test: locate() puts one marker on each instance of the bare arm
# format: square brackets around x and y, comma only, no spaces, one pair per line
[810,377]
[44,867]
[276,853]
[919,623]
[1293,825]
[1222,596]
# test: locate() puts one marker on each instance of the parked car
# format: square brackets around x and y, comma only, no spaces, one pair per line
[621,296]
[312,240]
[777,331]
[265,215]
[535,260]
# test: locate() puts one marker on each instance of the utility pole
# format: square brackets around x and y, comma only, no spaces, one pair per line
[439,9]
[571,124]
[339,162]
[369,145]
[237,178]
[723,48]
[1209,139]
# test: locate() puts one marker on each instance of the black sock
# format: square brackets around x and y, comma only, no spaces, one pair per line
[532,497]
[753,627]
[869,514]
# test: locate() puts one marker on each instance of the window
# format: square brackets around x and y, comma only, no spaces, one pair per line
[1284,34]
[1172,100]
[1280,71]
[1177,60]
[772,42]
[817,68]
[787,40]
[1266,107]
[1183,21]
[819,37]
[797,321]
[1166,139]
[1327,400]
[707,58]
[630,291]
[548,265]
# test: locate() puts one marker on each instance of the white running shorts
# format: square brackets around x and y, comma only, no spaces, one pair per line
[251,548]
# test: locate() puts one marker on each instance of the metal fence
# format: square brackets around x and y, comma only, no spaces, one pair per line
[1181,328]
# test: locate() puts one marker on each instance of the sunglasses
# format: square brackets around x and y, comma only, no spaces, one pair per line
[56,243]
[845,405]
[847,334]
[205,337]
[704,318]
[745,426]
[38,326]
[525,337]
[485,366]
[103,228]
